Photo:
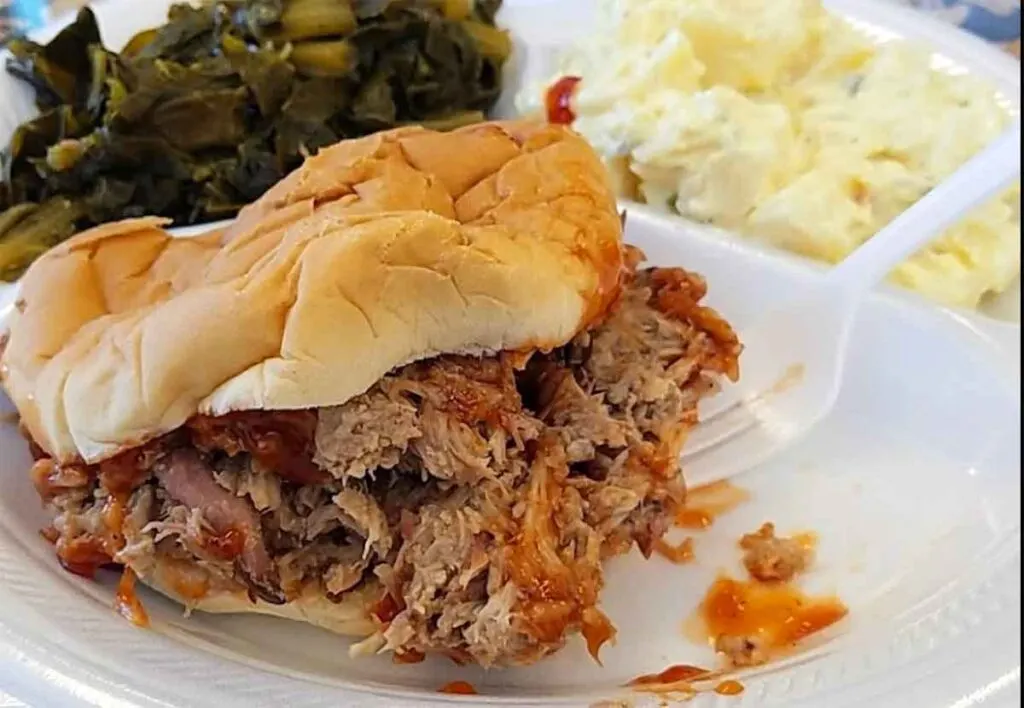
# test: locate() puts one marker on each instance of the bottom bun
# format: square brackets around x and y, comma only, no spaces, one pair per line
[349,616]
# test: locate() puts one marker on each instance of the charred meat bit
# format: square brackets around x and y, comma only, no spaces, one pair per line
[280,440]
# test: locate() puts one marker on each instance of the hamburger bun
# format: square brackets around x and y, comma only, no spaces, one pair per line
[349,615]
[377,252]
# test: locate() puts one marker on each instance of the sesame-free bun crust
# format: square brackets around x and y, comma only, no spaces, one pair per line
[376,252]
[348,615]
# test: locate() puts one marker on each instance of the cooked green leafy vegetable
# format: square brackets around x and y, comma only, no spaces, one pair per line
[30,229]
[195,118]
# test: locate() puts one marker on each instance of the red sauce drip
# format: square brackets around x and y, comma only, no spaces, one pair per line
[458,688]
[123,472]
[559,100]
[597,630]
[694,519]
[113,521]
[729,688]
[681,553]
[706,503]
[127,603]
[408,656]
[83,555]
[282,441]
[386,608]
[673,674]
[555,595]
[779,615]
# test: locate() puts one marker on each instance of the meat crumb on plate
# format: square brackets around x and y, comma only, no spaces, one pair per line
[742,651]
[771,558]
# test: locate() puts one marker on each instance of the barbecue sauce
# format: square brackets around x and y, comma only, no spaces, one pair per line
[558,100]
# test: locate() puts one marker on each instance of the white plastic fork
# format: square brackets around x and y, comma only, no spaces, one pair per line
[793,360]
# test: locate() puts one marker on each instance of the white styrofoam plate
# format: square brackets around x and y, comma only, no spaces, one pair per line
[913,485]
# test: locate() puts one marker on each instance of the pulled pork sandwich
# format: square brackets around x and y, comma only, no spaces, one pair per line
[417,393]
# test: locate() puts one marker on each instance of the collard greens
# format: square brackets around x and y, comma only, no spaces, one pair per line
[200,116]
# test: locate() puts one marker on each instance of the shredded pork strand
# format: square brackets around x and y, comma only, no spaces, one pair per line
[481,496]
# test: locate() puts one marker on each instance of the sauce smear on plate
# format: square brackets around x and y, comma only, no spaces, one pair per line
[729,688]
[673,674]
[706,503]
[679,553]
[764,617]
[458,688]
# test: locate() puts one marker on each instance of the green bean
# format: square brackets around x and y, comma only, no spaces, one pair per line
[29,230]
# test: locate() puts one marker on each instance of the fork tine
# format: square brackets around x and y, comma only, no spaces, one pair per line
[724,425]
[738,452]
[711,408]
[721,417]
[734,416]
[735,409]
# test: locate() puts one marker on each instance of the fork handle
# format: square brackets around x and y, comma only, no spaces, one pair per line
[982,177]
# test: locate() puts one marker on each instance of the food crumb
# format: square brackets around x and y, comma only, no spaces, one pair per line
[774,559]
[742,651]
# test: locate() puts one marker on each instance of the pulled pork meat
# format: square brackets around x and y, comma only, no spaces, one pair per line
[482,494]
[774,559]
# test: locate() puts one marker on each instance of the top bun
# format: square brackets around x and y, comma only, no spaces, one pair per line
[375,253]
